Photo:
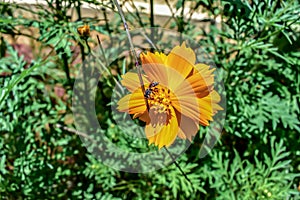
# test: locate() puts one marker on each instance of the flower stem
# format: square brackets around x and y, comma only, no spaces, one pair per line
[137,64]
[178,166]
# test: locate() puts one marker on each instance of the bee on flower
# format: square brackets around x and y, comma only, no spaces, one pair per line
[179,92]
[150,89]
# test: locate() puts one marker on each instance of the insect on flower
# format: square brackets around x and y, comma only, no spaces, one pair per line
[84,31]
[148,91]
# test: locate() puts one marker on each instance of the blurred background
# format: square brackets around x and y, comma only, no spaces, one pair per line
[254,43]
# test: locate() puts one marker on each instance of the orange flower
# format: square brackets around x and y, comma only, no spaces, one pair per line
[84,31]
[179,92]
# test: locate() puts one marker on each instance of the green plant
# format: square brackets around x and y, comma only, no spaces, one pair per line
[256,47]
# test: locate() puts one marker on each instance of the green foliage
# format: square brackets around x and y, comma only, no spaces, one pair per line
[269,177]
[256,44]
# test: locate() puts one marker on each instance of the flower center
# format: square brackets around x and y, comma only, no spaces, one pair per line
[159,103]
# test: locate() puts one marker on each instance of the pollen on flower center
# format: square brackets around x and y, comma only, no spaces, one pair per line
[159,103]
[160,96]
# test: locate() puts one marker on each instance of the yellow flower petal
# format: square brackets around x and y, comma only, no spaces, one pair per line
[181,59]
[163,135]
[131,81]
[201,86]
[188,127]
[152,65]
[184,100]
[195,86]
[133,103]
[142,116]
[206,112]
[208,107]
[203,69]
[152,131]
[215,98]
[164,75]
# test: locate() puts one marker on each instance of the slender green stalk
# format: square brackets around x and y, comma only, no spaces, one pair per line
[152,19]
[102,50]
[178,166]
[106,21]
[141,80]
[137,63]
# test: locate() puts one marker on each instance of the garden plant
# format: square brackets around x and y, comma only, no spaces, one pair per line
[101,99]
